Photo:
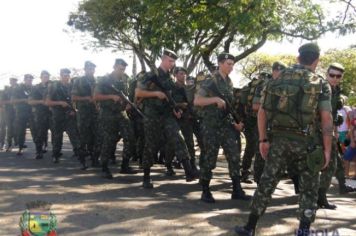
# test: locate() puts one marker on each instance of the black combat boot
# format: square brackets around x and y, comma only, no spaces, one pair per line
[295,180]
[206,195]
[237,192]
[125,167]
[170,171]
[304,229]
[345,189]
[106,173]
[244,177]
[147,182]
[250,228]
[323,201]
[189,174]
[39,156]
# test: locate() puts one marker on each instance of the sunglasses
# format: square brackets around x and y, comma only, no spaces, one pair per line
[338,76]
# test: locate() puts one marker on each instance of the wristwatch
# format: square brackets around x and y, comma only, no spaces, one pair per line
[263,141]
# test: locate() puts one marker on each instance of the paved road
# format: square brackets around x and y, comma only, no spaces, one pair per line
[86,205]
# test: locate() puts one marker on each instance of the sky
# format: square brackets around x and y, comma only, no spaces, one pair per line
[34,38]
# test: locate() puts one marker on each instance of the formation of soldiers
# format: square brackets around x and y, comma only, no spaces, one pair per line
[287,116]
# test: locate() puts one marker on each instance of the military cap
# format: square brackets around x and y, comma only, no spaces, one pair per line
[278,65]
[120,61]
[64,71]
[337,66]
[309,47]
[180,68]
[170,53]
[89,64]
[224,56]
[44,72]
[13,78]
[28,76]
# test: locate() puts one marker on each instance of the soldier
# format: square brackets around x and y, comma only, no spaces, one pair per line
[87,115]
[41,113]
[24,116]
[161,115]
[10,114]
[219,128]
[179,95]
[289,108]
[63,117]
[113,118]
[2,122]
[334,76]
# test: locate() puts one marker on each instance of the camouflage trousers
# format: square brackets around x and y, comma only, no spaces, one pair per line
[196,124]
[11,134]
[293,153]
[187,132]
[42,125]
[137,126]
[90,136]
[21,123]
[335,168]
[251,136]
[63,122]
[220,135]
[111,125]
[2,128]
[154,129]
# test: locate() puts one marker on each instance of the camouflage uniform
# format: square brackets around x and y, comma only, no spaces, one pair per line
[291,142]
[335,165]
[10,116]
[42,116]
[114,120]
[2,122]
[217,131]
[185,125]
[87,117]
[23,114]
[64,119]
[159,121]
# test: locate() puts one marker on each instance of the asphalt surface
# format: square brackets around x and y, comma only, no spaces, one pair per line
[86,204]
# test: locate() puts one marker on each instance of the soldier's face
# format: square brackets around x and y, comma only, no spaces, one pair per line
[89,71]
[44,78]
[334,77]
[120,69]
[13,83]
[168,62]
[65,78]
[28,82]
[226,66]
[181,76]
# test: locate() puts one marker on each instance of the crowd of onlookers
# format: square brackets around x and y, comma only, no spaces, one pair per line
[347,140]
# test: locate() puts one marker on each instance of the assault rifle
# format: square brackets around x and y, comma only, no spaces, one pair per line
[127,101]
[228,109]
[171,102]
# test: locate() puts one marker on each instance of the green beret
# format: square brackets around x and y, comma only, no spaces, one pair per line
[309,47]
[89,64]
[120,61]
[224,55]
[170,53]
[44,72]
[28,76]
[64,71]
[337,66]
[278,65]
[180,68]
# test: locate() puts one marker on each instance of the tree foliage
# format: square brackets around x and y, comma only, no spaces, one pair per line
[198,29]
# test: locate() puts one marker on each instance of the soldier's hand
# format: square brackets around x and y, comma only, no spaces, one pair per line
[264,149]
[239,126]
[178,114]
[220,103]
[128,107]
[64,104]
[115,98]
[160,95]
[326,160]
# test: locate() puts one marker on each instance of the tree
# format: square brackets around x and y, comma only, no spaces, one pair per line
[198,29]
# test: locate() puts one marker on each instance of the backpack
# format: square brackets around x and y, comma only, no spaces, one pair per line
[291,101]
[248,93]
